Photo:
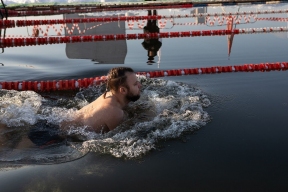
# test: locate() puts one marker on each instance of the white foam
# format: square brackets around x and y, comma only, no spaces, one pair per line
[56,115]
[166,110]
[178,107]
[18,108]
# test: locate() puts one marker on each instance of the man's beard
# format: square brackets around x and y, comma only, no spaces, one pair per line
[131,97]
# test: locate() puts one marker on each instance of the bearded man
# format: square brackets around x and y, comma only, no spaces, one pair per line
[106,112]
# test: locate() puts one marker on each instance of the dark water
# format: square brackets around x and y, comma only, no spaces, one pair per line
[242,148]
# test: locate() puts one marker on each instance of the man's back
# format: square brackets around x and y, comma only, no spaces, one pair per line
[106,112]
[103,114]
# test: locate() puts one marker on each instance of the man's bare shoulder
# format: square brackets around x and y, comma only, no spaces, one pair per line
[102,111]
[99,103]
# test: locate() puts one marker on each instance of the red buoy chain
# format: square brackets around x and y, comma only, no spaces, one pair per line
[14,42]
[83,83]
[11,23]
[273,19]
[136,18]
[131,23]
[99,8]
[7,23]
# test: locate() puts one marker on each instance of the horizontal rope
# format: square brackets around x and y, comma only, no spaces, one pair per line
[210,21]
[51,24]
[79,5]
[281,19]
[7,23]
[83,83]
[21,23]
[15,42]
[56,10]
[37,10]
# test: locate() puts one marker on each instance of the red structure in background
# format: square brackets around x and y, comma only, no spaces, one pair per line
[230,36]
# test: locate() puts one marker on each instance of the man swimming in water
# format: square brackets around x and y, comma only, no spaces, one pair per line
[106,112]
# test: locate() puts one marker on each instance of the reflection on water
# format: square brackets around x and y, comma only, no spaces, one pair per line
[245,144]
[152,45]
[102,52]
[114,52]
[167,109]
[73,60]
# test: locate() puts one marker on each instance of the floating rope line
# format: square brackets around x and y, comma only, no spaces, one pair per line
[7,23]
[99,8]
[17,42]
[161,23]
[22,23]
[216,20]
[83,83]
[273,19]
[141,24]
[51,9]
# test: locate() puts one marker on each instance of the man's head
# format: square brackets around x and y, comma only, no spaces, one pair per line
[123,80]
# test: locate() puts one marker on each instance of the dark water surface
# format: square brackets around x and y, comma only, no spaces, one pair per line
[242,148]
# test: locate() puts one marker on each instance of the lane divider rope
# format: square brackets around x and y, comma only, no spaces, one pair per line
[21,23]
[57,10]
[84,8]
[41,86]
[15,42]
[209,22]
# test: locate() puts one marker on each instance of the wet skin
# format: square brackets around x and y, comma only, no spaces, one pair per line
[105,114]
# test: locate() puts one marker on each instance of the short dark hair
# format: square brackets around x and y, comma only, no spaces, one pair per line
[117,77]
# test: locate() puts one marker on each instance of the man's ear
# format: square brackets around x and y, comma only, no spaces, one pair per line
[123,90]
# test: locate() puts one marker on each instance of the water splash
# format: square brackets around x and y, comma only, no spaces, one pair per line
[18,108]
[21,113]
[166,110]
[27,107]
